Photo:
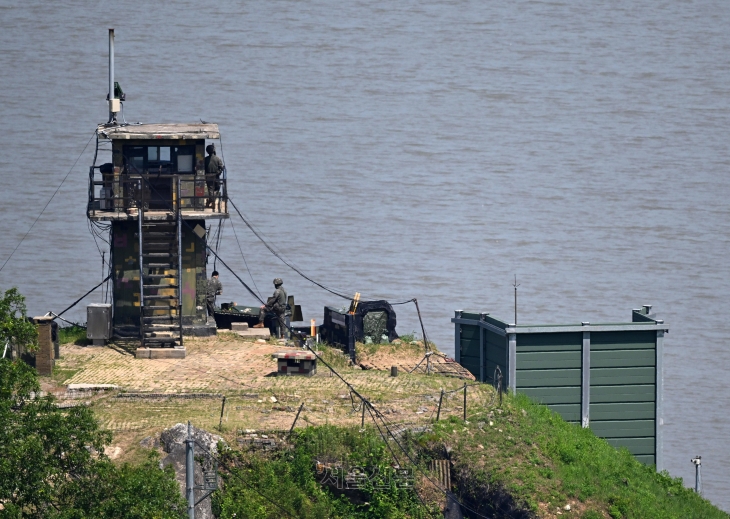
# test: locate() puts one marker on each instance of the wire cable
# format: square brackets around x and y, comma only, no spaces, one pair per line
[83,296]
[244,260]
[287,263]
[47,203]
[208,247]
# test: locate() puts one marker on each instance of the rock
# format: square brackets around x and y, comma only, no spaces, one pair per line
[567,508]
[524,413]
[173,442]
[150,442]
[273,399]
[113,452]
[260,341]
[397,341]
[174,438]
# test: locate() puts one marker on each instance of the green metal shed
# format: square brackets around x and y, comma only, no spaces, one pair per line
[604,376]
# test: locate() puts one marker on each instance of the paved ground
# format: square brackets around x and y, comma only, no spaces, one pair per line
[241,370]
[223,363]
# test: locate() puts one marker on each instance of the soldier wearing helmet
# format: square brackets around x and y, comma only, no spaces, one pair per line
[213,171]
[276,305]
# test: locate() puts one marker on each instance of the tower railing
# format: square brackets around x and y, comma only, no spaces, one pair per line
[113,194]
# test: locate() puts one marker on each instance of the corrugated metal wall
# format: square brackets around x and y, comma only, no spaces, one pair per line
[549,370]
[602,376]
[623,390]
[470,345]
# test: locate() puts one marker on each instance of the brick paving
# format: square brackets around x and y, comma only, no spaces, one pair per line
[210,364]
[243,371]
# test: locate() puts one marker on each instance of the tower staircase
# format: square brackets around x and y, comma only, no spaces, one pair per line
[160,260]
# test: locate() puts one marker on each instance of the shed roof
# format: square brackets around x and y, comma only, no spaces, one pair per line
[160,131]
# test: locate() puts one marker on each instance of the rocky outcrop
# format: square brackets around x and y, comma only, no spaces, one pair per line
[172,441]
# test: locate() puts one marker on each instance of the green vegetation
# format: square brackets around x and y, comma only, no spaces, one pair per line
[522,460]
[408,337]
[288,483]
[73,334]
[52,466]
[14,325]
[544,463]
[333,356]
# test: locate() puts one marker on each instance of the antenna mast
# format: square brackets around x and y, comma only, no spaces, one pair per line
[113,102]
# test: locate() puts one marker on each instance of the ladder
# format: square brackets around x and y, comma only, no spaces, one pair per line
[160,260]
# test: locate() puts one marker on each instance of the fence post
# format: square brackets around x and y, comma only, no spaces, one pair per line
[296,418]
[465,401]
[441,399]
[362,404]
[220,422]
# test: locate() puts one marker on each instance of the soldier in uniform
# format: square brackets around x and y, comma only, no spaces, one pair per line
[276,304]
[215,288]
[213,171]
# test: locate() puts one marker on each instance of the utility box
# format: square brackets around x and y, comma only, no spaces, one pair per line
[99,323]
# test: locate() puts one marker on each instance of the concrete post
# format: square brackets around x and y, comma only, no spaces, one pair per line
[44,357]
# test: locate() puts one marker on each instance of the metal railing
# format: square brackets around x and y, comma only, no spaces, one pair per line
[121,193]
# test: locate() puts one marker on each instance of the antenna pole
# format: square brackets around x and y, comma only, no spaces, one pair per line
[515,285]
[112,115]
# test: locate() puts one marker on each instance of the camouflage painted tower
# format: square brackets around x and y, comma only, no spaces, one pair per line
[157,198]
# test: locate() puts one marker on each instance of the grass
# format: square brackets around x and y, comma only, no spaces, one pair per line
[60,375]
[545,463]
[364,351]
[73,334]
[521,457]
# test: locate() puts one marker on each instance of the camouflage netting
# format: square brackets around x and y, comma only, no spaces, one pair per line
[375,325]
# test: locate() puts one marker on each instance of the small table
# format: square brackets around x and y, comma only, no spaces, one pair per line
[296,363]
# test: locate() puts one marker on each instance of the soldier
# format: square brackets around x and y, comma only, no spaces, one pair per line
[213,170]
[215,288]
[276,304]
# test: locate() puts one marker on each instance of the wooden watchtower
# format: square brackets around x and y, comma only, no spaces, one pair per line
[158,201]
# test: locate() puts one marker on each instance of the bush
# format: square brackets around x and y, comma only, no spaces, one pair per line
[52,466]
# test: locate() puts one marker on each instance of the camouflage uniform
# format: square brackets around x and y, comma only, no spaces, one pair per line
[276,304]
[213,171]
[215,287]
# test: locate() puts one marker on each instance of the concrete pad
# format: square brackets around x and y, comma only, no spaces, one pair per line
[142,353]
[239,327]
[167,353]
[255,333]
[90,387]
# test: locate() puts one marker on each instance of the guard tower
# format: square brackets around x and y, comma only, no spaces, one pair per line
[156,200]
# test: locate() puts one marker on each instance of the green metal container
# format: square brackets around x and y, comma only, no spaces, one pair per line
[604,376]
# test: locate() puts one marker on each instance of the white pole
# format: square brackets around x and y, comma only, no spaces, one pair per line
[111,74]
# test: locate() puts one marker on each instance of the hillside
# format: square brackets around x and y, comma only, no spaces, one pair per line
[508,459]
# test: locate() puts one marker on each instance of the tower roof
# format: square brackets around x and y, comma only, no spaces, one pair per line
[160,131]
